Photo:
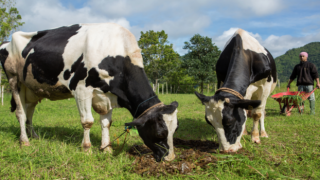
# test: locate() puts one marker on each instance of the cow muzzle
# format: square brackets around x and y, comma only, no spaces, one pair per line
[233,148]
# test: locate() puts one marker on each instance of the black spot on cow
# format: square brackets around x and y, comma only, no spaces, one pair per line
[46,60]
[80,72]
[273,67]
[66,74]
[3,56]
[95,81]
[13,104]
[76,64]
[207,120]
[232,121]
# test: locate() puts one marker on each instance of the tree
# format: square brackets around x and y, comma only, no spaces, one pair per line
[201,59]
[10,19]
[159,58]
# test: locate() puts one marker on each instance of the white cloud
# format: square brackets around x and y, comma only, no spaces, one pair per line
[260,7]
[40,15]
[182,19]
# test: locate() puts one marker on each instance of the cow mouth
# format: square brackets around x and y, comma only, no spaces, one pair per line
[233,148]
[160,152]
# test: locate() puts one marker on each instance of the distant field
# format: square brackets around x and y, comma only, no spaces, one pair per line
[292,150]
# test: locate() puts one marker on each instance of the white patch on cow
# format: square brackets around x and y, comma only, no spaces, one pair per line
[172,123]
[112,40]
[30,52]
[105,75]
[20,41]
[248,42]
[3,46]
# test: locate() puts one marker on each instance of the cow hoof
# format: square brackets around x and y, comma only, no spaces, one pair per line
[106,150]
[170,158]
[86,147]
[264,134]
[25,143]
[256,140]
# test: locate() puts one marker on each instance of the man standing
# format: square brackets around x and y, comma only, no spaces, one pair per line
[307,73]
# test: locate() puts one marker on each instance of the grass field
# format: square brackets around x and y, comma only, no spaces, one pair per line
[290,152]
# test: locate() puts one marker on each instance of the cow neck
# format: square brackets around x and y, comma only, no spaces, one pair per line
[141,104]
[138,91]
[238,76]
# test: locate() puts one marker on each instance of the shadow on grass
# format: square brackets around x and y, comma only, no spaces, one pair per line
[195,129]
[273,112]
[68,135]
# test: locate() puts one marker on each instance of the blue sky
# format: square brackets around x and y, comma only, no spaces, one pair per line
[279,25]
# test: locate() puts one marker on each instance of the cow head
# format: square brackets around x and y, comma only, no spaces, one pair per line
[228,117]
[156,128]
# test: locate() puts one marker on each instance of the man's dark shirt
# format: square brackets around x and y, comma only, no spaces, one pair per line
[306,72]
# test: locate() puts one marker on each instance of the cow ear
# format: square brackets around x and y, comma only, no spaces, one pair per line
[175,103]
[247,104]
[169,109]
[138,122]
[202,97]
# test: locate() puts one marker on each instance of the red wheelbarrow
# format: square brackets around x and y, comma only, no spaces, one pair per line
[289,104]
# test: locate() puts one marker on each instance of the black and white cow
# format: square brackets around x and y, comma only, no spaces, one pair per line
[248,68]
[101,66]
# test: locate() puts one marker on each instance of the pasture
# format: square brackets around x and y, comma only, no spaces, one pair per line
[290,152]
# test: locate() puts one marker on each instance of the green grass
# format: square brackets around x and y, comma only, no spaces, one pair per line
[290,152]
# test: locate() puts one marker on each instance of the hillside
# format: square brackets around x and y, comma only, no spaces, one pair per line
[286,62]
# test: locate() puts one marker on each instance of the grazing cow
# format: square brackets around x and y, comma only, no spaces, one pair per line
[246,69]
[101,66]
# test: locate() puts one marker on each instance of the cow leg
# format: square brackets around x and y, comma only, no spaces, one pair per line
[250,90]
[255,131]
[105,128]
[30,111]
[19,98]
[259,113]
[83,98]
[262,128]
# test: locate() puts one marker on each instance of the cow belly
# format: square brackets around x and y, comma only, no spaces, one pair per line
[56,92]
[102,103]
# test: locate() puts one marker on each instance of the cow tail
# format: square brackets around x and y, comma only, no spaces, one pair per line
[13,104]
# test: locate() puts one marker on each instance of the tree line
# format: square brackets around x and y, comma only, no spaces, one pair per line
[161,62]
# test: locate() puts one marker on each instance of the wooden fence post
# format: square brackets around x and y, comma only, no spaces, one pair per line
[171,89]
[208,88]
[2,89]
[158,88]
[167,87]
[215,87]
[279,83]
[162,89]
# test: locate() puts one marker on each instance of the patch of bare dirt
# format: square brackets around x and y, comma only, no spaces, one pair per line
[190,155]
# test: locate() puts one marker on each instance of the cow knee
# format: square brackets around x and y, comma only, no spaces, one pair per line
[256,116]
[87,123]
